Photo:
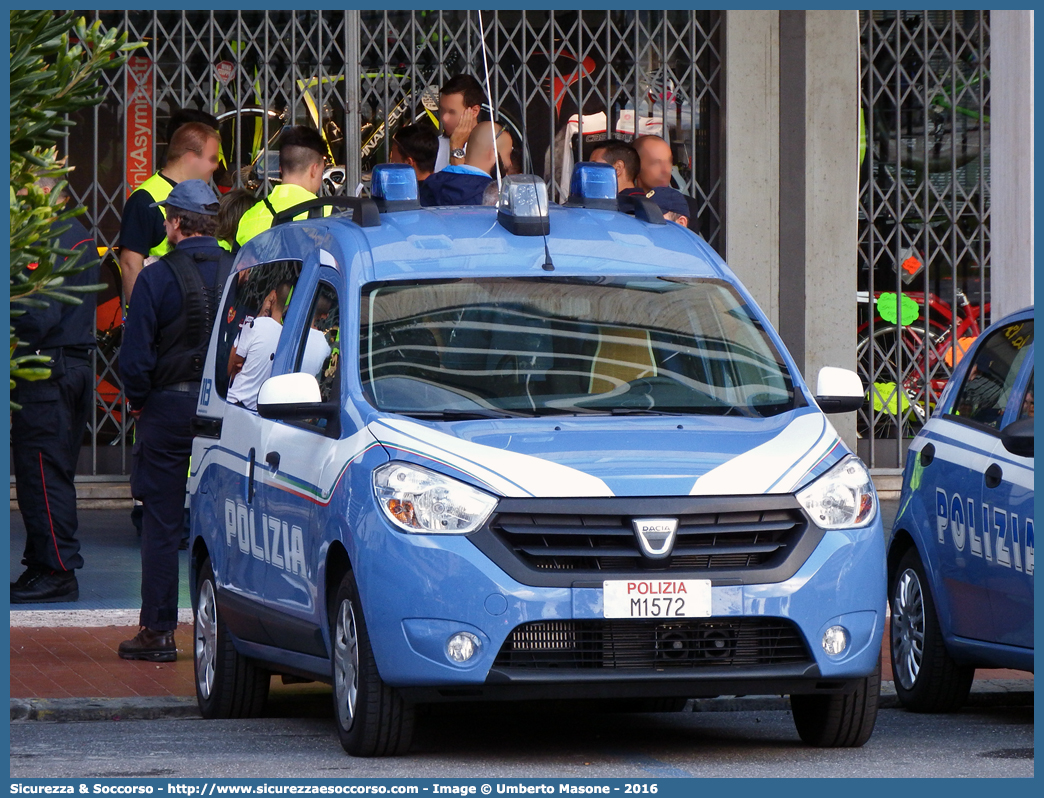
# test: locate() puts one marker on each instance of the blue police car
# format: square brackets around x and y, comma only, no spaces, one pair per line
[960,557]
[521,452]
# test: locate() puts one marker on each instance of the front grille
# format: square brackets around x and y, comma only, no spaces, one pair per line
[705,541]
[640,644]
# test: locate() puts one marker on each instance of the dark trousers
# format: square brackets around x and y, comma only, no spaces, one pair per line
[46,435]
[162,447]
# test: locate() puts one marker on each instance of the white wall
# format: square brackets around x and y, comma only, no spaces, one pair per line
[1011,161]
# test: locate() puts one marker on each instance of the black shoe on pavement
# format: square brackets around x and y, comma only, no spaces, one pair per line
[27,575]
[45,587]
[150,645]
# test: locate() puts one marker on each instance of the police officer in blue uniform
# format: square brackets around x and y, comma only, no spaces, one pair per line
[47,432]
[166,334]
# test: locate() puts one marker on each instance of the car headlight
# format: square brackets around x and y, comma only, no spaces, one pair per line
[842,497]
[421,501]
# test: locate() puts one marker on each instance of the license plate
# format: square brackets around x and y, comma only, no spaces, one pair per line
[656,598]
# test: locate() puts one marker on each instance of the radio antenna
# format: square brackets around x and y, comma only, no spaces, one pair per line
[489,99]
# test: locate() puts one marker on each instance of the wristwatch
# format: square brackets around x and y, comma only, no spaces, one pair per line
[457,153]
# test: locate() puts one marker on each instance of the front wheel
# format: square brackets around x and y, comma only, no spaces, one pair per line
[228,685]
[927,678]
[372,718]
[842,720]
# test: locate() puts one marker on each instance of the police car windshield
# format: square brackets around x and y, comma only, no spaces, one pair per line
[566,345]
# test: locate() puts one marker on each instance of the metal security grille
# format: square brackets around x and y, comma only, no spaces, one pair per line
[563,80]
[924,241]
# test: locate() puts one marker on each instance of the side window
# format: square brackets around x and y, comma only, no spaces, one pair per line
[988,384]
[1026,408]
[249,328]
[318,351]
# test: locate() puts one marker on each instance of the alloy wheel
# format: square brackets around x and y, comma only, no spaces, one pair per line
[346,665]
[206,638]
[907,628]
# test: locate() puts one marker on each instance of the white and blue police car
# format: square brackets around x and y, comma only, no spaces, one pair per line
[960,556]
[521,452]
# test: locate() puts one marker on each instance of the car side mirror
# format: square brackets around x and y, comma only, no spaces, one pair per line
[293,396]
[839,390]
[1017,437]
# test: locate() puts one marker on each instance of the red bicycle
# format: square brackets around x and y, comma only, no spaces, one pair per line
[906,366]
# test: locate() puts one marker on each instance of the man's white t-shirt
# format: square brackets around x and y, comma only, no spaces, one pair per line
[315,353]
[442,159]
[256,344]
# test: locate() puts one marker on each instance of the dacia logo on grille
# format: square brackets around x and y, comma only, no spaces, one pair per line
[656,536]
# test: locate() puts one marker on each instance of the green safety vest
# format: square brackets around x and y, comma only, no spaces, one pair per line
[159,188]
[259,218]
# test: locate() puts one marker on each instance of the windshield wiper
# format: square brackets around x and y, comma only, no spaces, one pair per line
[641,411]
[455,415]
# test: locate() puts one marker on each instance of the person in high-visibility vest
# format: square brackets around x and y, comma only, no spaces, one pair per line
[192,155]
[302,159]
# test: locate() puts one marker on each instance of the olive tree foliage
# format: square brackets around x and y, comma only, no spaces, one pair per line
[55,61]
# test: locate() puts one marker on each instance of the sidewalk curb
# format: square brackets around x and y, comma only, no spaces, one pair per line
[993,693]
[67,710]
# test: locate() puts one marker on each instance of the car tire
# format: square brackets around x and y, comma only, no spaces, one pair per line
[228,685]
[839,720]
[927,678]
[372,718]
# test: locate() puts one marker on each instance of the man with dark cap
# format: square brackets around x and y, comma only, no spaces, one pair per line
[165,341]
[47,432]
[670,201]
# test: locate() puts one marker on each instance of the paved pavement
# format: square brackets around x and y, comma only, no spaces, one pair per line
[64,664]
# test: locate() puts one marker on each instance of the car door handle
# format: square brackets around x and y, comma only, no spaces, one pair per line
[272,458]
[927,454]
[993,476]
[250,477]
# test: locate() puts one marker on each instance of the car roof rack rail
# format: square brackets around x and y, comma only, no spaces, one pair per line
[364,210]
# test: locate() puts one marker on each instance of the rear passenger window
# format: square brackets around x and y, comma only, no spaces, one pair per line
[989,382]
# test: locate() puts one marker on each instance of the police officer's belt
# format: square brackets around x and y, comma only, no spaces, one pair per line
[182,387]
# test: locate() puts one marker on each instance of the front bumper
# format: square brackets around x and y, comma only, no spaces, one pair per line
[419,590]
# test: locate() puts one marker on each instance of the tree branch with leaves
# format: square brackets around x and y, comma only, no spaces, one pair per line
[55,62]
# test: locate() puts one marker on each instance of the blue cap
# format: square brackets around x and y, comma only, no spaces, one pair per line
[191,195]
[669,200]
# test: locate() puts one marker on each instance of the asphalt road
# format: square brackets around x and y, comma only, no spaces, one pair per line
[472,742]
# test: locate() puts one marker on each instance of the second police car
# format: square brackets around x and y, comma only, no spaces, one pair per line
[522,452]
[960,559]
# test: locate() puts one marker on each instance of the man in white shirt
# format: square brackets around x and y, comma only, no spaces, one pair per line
[250,362]
[460,101]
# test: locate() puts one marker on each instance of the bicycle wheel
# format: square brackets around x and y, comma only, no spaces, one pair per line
[245,149]
[904,372]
